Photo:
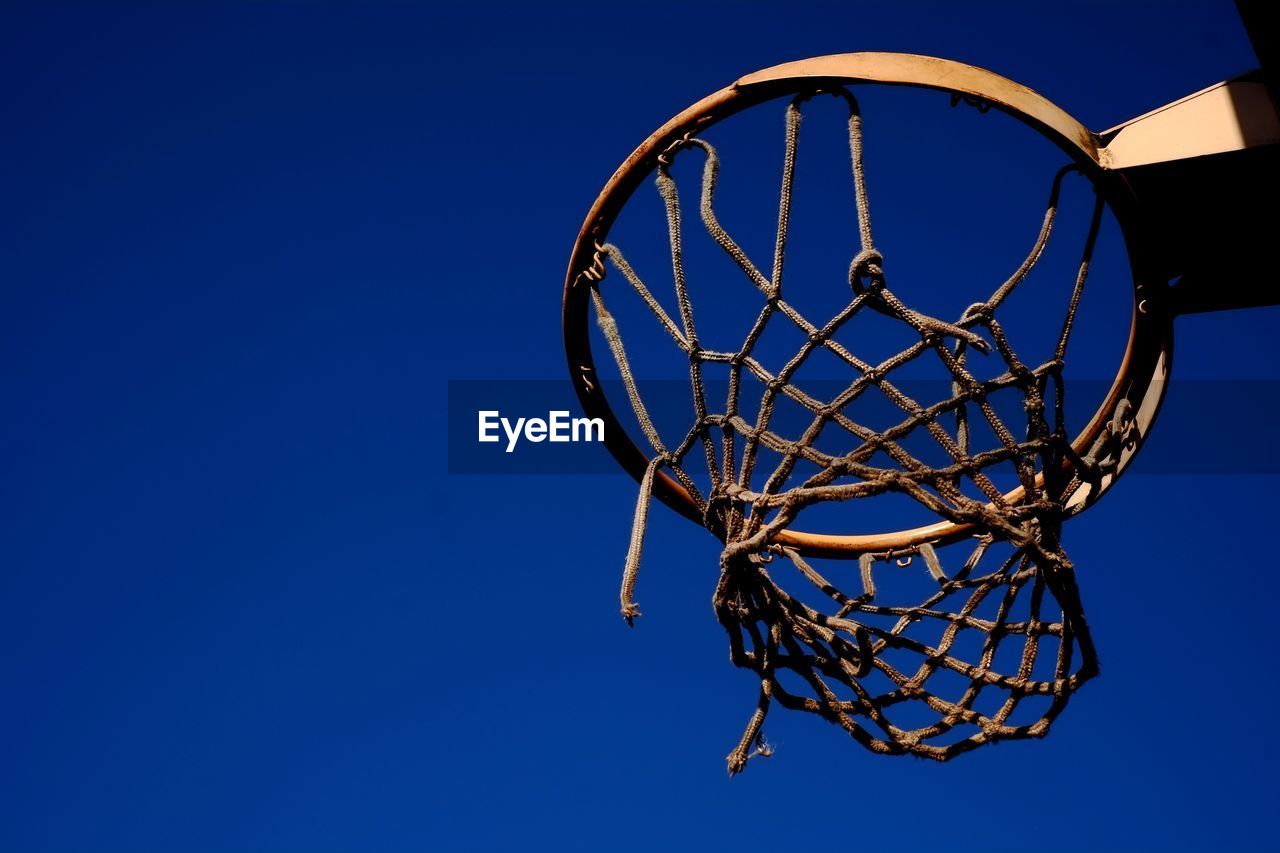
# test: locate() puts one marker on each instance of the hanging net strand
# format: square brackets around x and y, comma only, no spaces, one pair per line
[858,658]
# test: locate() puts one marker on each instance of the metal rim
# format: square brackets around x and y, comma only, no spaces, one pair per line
[1148,353]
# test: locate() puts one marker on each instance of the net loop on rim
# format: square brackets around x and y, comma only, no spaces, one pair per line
[861,660]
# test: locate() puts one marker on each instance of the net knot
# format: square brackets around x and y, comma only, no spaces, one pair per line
[867,260]
[723,495]
[866,271]
[1048,507]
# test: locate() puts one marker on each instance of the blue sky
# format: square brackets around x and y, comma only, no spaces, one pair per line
[245,607]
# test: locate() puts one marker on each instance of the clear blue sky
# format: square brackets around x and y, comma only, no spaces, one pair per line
[243,606]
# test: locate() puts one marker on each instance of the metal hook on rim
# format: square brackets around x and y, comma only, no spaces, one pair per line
[974,101]
[666,156]
[596,270]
